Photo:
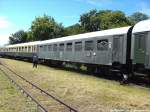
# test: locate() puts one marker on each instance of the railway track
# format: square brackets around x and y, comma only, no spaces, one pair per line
[44,100]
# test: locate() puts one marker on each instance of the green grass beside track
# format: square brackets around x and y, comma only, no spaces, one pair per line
[11,100]
[84,92]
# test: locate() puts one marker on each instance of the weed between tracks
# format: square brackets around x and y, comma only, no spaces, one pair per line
[85,93]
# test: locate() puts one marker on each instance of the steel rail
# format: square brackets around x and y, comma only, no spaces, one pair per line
[71,109]
[24,91]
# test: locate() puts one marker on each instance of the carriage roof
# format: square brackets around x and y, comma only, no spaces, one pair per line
[115,31]
[142,26]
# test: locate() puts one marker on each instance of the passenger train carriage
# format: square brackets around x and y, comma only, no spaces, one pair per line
[126,48]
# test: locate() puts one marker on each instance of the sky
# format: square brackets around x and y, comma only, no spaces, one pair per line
[18,14]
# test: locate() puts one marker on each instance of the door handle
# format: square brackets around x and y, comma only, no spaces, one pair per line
[143,51]
[94,54]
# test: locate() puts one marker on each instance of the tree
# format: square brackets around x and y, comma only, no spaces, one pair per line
[138,16]
[30,36]
[104,19]
[112,19]
[89,21]
[74,29]
[18,37]
[45,27]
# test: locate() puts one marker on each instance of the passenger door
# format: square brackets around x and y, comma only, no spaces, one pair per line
[140,47]
[78,51]
[89,51]
[103,51]
[117,50]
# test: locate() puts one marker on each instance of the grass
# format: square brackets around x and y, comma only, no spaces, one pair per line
[84,92]
[11,100]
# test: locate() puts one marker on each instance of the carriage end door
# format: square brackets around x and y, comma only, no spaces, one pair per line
[140,48]
[117,51]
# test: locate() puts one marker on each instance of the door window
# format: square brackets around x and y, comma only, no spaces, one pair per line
[102,45]
[116,44]
[140,47]
[141,40]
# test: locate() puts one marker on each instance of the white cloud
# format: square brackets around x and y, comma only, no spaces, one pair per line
[4,38]
[144,8]
[6,28]
[5,23]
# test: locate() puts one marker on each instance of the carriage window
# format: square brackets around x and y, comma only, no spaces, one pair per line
[49,47]
[116,43]
[29,49]
[25,49]
[141,43]
[61,47]
[45,47]
[78,46]
[69,47]
[22,49]
[34,48]
[41,48]
[102,45]
[16,49]
[55,47]
[19,49]
[141,40]
[89,45]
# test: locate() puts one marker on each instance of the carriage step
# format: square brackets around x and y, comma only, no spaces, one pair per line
[115,70]
[140,74]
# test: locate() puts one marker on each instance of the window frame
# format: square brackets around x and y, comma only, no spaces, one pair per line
[141,41]
[69,48]
[55,47]
[45,48]
[50,47]
[41,48]
[60,47]
[77,47]
[86,45]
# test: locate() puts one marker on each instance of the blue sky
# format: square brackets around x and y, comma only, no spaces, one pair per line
[19,14]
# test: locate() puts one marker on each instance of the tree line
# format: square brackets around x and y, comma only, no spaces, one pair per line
[45,27]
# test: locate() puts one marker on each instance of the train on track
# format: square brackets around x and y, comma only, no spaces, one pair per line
[126,49]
